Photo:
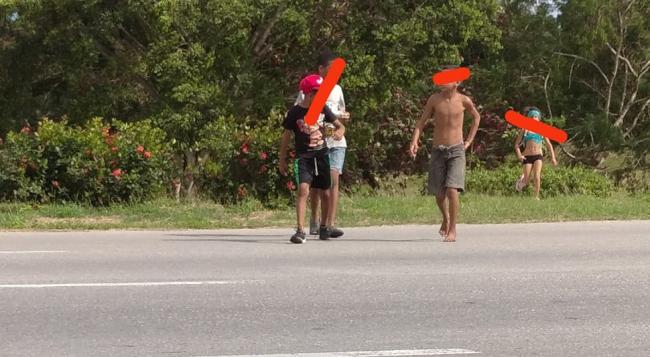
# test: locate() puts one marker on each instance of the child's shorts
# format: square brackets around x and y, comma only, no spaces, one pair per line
[337,158]
[447,169]
[314,169]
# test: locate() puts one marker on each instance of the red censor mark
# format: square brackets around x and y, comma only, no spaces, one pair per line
[451,75]
[317,104]
[535,126]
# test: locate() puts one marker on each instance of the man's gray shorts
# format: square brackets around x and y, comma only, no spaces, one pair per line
[447,169]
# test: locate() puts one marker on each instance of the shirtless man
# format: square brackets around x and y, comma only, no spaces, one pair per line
[447,170]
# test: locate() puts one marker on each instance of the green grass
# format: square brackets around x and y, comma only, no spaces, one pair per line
[356,210]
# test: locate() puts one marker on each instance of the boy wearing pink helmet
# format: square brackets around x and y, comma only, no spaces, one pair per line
[311,167]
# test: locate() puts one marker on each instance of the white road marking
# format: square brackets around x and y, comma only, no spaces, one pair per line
[31,251]
[140,284]
[429,352]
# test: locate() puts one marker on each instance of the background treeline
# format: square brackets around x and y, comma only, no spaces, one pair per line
[201,86]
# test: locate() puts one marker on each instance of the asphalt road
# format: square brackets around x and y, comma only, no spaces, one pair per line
[570,289]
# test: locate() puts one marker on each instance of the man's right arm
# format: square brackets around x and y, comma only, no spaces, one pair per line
[284,145]
[520,136]
[287,124]
[419,126]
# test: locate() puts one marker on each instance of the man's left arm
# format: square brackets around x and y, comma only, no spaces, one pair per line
[550,149]
[330,117]
[469,106]
[344,115]
[339,133]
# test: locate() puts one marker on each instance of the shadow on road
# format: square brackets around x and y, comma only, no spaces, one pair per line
[223,235]
[218,237]
[394,240]
[230,240]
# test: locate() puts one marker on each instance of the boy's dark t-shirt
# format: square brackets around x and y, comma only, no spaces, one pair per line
[308,139]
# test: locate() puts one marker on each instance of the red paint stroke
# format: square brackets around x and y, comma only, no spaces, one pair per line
[535,126]
[451,75]
[317,104]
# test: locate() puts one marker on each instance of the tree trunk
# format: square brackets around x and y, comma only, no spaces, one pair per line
[190,165]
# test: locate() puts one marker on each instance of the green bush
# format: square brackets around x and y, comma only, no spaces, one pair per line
[242,162]
[90,164]
[236,162]
[21,172]
[635,181]
[556,181]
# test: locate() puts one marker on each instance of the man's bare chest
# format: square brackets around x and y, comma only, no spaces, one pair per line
[449,109]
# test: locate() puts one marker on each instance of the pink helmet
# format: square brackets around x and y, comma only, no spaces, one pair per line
[310,83]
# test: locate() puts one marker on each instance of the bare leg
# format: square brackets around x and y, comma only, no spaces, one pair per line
[441,200]
[301,205]
[454,207]
[526,174]
[537,178]
[325,202]
[334,197]
[315,196]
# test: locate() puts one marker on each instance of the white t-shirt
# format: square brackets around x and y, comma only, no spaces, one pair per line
[336,103]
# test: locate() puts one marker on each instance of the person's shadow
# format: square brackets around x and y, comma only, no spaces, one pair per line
[223,237]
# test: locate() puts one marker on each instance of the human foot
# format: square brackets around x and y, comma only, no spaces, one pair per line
[519,185]
[450,238]
[443,229]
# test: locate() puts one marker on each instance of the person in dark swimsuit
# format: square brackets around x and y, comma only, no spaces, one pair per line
[532,155]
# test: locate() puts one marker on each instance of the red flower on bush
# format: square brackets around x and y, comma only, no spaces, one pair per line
[264,156]
[147,154]
[290,185]
[115,149]
[140,149]
[55,184]
[245,148]
[292,154]
[241,191]
[117,173]
[113,163]
[25,130]
[243,162]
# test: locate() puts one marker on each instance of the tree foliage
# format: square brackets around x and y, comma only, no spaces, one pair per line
[186,65]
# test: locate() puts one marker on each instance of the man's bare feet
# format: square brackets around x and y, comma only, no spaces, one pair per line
[450,238]
[444,230]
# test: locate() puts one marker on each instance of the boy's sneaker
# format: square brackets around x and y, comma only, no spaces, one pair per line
[313,228]
[335,232]
[298,238]
[324,233]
